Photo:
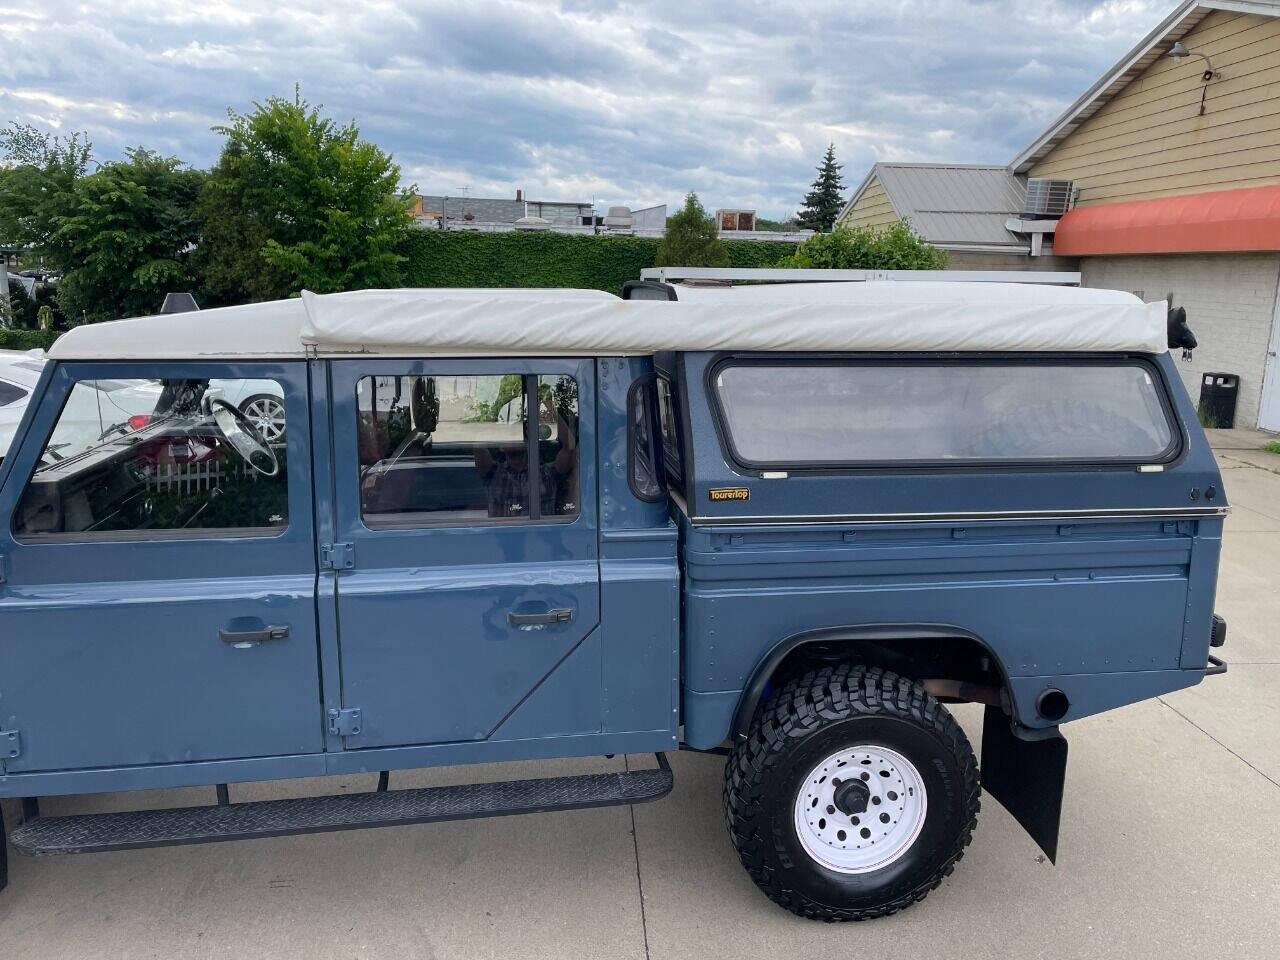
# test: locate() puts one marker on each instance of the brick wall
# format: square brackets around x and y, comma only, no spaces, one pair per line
[1230,300]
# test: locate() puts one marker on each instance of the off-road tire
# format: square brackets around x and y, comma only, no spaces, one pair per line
[821,711]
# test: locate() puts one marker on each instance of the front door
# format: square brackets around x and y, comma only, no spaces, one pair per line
[466,494]
[158,598]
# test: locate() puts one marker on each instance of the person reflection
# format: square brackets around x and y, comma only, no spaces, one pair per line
[506,480]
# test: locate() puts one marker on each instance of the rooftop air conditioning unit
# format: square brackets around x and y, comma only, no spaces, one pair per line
[1046,199]
[619,220]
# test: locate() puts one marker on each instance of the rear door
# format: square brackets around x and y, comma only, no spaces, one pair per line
[466,510]
[158,594]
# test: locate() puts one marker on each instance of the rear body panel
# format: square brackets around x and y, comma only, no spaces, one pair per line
[1096,581]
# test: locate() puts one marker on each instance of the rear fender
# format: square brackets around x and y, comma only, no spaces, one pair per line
[762,676]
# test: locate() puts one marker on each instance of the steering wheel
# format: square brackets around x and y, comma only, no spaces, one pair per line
[244,438]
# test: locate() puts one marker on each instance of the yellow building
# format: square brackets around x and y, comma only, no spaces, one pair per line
[1169,168]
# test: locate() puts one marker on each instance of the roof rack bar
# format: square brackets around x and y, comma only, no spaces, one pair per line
[669,274]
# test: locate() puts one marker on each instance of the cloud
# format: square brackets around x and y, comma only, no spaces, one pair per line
[624,102]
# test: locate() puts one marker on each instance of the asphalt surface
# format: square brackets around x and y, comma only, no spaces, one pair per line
[1171,829]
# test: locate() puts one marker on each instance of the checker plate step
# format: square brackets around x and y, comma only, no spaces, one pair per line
[88,833]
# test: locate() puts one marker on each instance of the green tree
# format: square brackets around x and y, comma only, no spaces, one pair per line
[691,239]
[897,247]
[38,172]
[296,201]
[125,237]
[823,201]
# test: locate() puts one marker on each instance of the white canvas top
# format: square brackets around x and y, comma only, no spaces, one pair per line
[875,315]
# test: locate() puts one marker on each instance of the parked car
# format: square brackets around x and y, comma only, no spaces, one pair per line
[127,404]
[783,526]
[113,404]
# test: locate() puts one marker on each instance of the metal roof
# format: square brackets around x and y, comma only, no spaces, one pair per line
[1152,47]
[954,206]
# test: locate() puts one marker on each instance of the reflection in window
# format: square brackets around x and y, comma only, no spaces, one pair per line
[647,475]
[670,430]
[158,455]
[453,449]
[830,413]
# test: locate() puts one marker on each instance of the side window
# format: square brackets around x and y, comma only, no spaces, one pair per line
[461,449]
[156,456]
[647,476]
[670,424]
[10,393]
[853,413]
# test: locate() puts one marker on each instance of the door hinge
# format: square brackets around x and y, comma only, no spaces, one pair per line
[4,567]
[337,556]
[345,723]
[10,745]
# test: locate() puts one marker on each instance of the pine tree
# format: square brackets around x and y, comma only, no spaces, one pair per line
[822,204]
[691,239]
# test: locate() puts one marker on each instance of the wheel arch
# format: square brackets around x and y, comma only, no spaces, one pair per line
[865,642]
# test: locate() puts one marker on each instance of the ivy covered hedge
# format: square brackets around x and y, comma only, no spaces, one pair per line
[457,259]
[27,339]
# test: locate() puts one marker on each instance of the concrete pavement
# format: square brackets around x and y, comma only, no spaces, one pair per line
[1171,828]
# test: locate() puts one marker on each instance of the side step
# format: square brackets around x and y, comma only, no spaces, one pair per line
[90,833]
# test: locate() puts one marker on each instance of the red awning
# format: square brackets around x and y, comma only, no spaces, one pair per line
[1223,221]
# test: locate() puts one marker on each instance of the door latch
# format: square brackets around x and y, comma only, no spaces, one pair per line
[344,723]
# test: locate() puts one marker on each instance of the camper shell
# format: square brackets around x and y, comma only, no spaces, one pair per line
[785,522]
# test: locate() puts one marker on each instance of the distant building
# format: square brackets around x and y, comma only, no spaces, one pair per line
[1161,179]
[962,208]
[488,210]
[735,219]
[650,221]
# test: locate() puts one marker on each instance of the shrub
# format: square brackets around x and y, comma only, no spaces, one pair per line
[691,239]
[897,247]
[27,339]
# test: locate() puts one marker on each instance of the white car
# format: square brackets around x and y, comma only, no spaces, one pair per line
[116,403]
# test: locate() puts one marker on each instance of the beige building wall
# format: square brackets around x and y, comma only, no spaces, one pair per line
[1230,300]
[1151,141]
[873,208]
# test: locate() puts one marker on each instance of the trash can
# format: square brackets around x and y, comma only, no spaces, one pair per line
[1218,393]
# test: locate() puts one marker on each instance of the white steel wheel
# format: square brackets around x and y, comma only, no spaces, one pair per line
[861,809]
[267,414]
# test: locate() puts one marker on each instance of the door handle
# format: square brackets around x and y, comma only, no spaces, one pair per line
[250,637]
[558,615]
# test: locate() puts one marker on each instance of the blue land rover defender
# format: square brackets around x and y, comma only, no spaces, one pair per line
[784,523]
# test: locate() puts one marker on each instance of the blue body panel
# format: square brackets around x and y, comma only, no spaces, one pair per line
[414,635]
[109,650]
[1097,581]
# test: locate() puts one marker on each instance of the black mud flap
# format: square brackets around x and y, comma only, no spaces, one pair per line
[1026,776]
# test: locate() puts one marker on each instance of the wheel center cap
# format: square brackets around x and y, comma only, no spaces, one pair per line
[851,797]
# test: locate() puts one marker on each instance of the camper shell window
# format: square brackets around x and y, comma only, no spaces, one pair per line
[936,411]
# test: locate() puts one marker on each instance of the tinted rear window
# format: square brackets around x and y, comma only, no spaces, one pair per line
[860,413]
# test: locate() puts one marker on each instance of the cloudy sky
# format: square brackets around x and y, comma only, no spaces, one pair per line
[625,102]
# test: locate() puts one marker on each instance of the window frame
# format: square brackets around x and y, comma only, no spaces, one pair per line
[530,382]
[68,376]
[743,465]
